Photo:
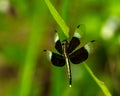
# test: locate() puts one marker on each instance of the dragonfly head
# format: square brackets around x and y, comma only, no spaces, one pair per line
[64,42]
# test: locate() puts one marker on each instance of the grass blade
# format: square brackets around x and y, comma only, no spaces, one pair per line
[36,35]
[99,83]
[58,18]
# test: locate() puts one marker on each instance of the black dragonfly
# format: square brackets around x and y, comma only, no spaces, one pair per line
[68,53]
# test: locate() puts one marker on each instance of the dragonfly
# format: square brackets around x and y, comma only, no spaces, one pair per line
[68,52]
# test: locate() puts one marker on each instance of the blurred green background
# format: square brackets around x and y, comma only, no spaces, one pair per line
[27,28]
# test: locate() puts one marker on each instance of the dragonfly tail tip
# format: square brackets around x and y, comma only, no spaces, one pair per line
[70,85]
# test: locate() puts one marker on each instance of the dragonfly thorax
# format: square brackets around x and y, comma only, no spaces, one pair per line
[64,42]
[65,46]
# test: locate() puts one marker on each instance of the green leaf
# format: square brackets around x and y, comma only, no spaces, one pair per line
[101,84]
[58,18]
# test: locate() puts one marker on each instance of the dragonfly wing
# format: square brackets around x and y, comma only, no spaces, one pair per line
[90,46]
[57,60]
[73,44]
[79,56]
[58,45]
[81,30]
[76,39]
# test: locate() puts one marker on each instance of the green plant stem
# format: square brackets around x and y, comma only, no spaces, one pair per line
[36,34]
[30,62]
[58,18]
[99,83]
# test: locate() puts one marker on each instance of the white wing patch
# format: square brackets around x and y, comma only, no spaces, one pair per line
[90,46]
[87,47]
[56,37]
[48,53]
[76,34]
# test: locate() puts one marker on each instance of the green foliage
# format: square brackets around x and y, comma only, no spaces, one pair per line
[57,17]
[101,84]
[27,28]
